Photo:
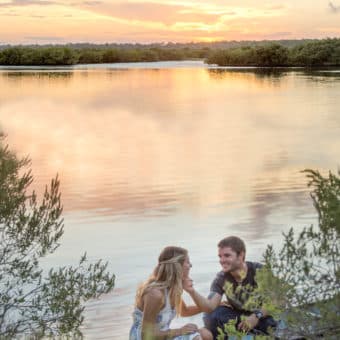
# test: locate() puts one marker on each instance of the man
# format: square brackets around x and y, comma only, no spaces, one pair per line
[241,275]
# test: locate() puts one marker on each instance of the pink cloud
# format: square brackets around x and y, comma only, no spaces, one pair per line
[151,11]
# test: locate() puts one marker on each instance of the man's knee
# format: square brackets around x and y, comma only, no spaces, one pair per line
[211,320]
[218,318]
[205,334]
[266,324]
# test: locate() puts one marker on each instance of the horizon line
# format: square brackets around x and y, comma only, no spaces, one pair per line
[161,42]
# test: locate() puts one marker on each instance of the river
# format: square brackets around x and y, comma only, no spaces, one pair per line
[172,153]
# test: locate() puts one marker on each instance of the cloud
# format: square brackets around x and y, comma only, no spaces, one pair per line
[230,13]
[92,3]
[333,7]
[278,35]
[44,38]
[276,7]
[151,11]
[11,14]
[38,16]
[19,3]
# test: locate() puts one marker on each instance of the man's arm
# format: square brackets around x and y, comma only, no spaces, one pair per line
[205,304]
[189,310]
[252,320]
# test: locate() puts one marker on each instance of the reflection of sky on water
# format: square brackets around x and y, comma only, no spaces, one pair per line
[154,157]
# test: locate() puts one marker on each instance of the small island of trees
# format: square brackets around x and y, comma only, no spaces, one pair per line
[282,53]
[311,54]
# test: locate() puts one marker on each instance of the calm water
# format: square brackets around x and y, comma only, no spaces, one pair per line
[170,153]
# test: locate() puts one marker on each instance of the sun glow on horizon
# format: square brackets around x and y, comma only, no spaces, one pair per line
[208,39]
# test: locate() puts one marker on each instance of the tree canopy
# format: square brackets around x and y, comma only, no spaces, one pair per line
[304,53]
[66,55]
[319,53]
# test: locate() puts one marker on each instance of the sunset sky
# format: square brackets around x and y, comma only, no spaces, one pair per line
[100,21]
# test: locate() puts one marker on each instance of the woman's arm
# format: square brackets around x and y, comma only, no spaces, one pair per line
[153,303]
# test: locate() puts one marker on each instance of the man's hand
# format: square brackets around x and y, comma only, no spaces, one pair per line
[249,323]
[188,285]
[226,304]
[188,329]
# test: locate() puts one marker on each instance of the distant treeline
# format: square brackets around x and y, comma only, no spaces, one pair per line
[307,53]
[310,54]
[170,45]
[65,55]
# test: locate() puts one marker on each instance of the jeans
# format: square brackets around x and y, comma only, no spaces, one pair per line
[222,314]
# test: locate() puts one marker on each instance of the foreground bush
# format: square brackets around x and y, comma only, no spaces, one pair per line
[33,303]
[300,283]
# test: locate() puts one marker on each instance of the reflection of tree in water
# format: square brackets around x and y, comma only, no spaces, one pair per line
[64,75]
[272,76]
[275,200]
[267,204]
[58,77]
[116,202]
[276,72]
[330,79]
[323,75]
[271,72]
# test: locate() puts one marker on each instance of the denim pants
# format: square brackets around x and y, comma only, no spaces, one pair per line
[222,314]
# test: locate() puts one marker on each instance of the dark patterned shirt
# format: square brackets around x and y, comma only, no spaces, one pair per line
[242,294]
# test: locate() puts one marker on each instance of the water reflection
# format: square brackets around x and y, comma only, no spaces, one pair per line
[273,76]
[37,74]
[268,211]
[120,147]
[258,72]
[150,157]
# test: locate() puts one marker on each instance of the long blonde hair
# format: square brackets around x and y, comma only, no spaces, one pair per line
[167,275]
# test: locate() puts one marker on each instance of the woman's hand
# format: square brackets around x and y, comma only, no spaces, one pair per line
[188,328]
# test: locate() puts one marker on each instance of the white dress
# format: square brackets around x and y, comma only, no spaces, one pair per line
[164,318]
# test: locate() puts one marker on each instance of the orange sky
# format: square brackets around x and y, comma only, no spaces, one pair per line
[100,21]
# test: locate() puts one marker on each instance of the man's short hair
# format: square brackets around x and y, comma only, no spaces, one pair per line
[233,242]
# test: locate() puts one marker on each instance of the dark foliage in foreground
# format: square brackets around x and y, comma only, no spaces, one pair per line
[34,303]
[300,283]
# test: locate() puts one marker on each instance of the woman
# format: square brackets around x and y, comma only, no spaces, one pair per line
[159,299]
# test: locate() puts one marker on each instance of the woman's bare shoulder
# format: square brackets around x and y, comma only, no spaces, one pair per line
[154,299]
[154,293]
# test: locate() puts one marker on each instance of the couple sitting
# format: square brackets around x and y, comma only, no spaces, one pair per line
[159,299]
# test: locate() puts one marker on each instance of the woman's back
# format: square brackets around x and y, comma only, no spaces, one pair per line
[164,317]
